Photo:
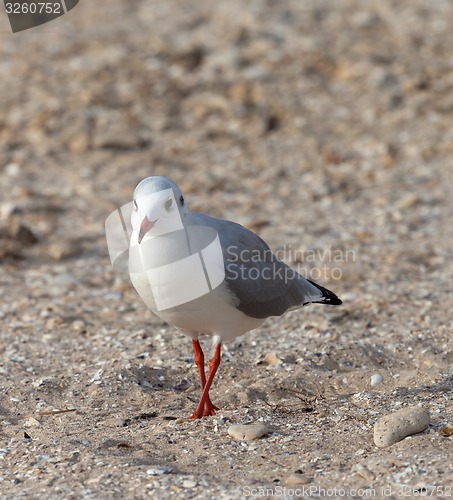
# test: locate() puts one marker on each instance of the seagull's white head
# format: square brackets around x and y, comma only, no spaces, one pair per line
[158,208]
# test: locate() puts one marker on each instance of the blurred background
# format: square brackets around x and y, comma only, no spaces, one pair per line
[317,124]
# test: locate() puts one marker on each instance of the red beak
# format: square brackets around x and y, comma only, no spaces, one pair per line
[145,226]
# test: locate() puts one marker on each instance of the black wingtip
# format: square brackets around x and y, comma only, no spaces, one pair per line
[329,297]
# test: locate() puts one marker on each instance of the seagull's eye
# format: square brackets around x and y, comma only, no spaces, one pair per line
[181,200]
[135,205]
[169,203]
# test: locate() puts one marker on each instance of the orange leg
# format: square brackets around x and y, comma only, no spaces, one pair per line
[205,406]
[198,357]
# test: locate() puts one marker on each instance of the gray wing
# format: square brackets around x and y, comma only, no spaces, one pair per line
[262,285]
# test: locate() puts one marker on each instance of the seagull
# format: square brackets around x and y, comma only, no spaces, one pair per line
[207,276]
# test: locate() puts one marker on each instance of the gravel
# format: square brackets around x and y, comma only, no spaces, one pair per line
[325,127]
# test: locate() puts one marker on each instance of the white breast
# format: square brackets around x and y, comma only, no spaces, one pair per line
[209,312]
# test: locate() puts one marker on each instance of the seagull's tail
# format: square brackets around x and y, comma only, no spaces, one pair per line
[328,297]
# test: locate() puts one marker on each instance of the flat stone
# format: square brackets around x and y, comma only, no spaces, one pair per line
[392,428]
[189,483]
[248,432]
[159,471]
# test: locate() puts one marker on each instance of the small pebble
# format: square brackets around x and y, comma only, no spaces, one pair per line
[272,359]
[248,432]
[392,428]
[363,472]
[182,386]
[12,169]
[7,209]
[61,250]
[376,379]
[189,483]
[297,479]
[78,325]
[31,422]
[159,471]
[446,430]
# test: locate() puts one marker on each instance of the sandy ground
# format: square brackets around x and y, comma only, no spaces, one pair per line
[326,127]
